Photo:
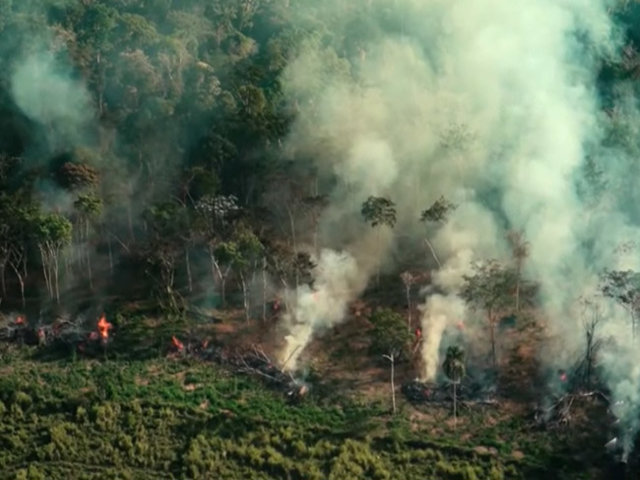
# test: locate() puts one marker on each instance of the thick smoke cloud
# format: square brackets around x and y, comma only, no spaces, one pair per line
[494,105]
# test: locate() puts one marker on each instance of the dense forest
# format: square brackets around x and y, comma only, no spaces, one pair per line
[453,182]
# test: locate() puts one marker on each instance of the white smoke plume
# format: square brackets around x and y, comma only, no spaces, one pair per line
[492,104]
[438,313]
[337,281]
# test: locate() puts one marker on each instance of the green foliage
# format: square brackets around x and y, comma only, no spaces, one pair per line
[389,334]
[89,204]
[439,211]
[490,287]
[53,230]
[379,211]
[453,365]
[137,420]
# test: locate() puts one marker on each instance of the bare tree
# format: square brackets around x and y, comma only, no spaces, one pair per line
[408,280]
[591,320]
[391,358]
[624,287]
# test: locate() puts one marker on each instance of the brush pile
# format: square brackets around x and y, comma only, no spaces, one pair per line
[63,332]
[251,361]
[467,391]
[560,412]
[255,362]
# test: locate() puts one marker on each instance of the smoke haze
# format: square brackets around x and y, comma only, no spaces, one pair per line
[492,104]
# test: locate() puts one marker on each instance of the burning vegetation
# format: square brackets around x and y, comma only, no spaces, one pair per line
[328,183]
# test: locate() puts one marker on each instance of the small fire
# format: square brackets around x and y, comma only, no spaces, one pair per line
[418,332]
[177,343]
[563,376]
[20,320]
[104,327]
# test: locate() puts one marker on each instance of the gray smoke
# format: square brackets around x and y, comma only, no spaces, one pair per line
[493,104]
[44,89]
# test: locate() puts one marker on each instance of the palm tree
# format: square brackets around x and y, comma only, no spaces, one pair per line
[454,369]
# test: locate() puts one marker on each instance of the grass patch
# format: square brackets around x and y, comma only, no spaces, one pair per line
[157,418]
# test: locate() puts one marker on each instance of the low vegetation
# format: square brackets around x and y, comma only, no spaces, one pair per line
[169,418]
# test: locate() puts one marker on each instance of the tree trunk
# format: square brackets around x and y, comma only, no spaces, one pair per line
[393,385]
[588,358]
[518,288]
[433,252]
[130,222]
[245,297]
[89,271]
[212,260]
[45,271]
[264,290]
[455,404]
[3,279]
[16,269]
[378,263]
[110,254]
[492,332]
[408,288]
[56,276]
[188,265]
[223,281]
[294,244]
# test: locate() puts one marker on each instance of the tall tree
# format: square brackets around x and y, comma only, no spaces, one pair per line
[489,289]
[391,339]
[250,253]
[437,213]
[379,212]
[454,369]
[89,207]
[216,215]
[166,221]
[21,230]
[407,280]
[53,234]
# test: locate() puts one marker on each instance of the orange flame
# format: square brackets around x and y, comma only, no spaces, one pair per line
[177,343]
[20,320]
[104,327]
